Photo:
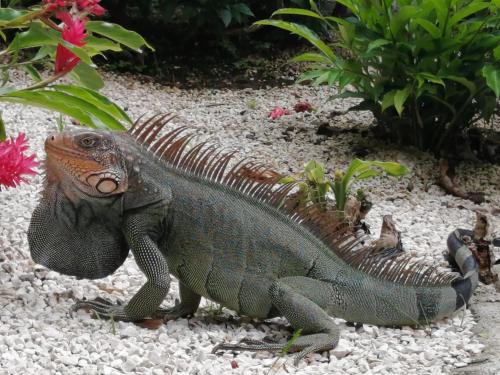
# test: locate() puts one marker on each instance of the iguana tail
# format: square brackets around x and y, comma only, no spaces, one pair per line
[460,256]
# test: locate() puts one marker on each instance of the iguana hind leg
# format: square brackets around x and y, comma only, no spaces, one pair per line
[302,301]
[187,306]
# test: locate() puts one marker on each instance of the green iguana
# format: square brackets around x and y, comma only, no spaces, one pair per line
[228,236]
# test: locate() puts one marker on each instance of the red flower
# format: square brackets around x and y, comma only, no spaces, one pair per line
[303,107]
[74,33]
[13,163]
[278,112]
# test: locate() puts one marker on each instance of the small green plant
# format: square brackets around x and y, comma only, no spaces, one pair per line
[314,186]
[426,69]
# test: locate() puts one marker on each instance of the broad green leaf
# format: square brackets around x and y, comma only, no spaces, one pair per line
[377,43]
[473,7]
[302,31]
[96,99]
[115,32]
[87,76]
[431,28]
[400,98]
[463,81]
[297,11]
[492,75]
[81,110]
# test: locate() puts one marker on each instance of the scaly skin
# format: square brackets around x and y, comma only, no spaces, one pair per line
[105,193]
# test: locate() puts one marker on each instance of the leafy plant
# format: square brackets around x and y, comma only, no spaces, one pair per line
[426,69]
[36,41]
[314,186]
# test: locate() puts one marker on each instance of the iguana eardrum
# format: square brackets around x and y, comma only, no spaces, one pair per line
[225,235]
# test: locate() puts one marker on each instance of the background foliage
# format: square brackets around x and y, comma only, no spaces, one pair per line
[426,69]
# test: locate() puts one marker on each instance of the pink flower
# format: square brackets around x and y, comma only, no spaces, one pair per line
[13,163]
[91,7]
[82,6]
[74,33]
[52,5]
[278,112]
[303,107]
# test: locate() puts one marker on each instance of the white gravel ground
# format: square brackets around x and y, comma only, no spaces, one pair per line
[39,335]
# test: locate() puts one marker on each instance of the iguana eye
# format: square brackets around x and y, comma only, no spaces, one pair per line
[88,142]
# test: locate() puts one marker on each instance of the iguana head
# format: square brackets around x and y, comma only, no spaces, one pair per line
[86,162]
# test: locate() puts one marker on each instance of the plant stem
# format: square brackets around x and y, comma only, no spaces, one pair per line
[47,81]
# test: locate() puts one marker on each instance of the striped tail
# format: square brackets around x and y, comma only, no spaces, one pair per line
[461,256]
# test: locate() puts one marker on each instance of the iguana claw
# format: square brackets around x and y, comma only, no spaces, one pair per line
[179,310]
[102,308]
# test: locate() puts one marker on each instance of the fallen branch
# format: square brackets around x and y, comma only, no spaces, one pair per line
[449,182]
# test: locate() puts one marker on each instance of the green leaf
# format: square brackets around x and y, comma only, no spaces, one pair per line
[422,77]
[367,174]
[97,45]
[35,36]
[464,12]
[401,18]
[302,31]
[81,110]
[492,75]
[9,16]
[243,9]
[431,28]
[297,11]
[388,100]
[377,43]
[496,53]
[96,99]
[3,132]
[311,57]
[225,15]
[400,98]
[115,32]
[391,168]
[33,72]
[87,76]
[463,81]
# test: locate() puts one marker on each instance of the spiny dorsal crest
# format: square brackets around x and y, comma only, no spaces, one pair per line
[258,181]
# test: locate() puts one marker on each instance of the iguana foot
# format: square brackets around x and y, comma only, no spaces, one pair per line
[102,308]
[180,310]
[304,345]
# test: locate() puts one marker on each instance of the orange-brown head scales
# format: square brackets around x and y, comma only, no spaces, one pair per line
[88,161]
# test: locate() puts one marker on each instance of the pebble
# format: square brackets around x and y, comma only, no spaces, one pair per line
[38,335]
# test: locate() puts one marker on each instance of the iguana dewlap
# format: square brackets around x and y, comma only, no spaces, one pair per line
[225,235]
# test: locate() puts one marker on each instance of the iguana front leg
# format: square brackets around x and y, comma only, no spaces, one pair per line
[152,263]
